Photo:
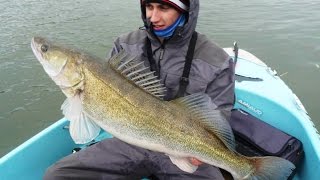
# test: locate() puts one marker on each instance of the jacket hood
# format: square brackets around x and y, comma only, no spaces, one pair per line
[181,34]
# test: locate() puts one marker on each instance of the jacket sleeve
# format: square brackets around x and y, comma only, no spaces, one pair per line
[115,49]
[222,88]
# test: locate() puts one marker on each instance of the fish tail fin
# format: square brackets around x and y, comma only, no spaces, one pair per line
[270,167]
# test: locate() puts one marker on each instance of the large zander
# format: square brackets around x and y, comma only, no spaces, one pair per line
[124,98]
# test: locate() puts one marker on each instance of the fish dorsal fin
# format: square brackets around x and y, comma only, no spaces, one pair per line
[134,70]
[202,109]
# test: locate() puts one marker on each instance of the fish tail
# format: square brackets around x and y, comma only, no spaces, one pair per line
[271,168]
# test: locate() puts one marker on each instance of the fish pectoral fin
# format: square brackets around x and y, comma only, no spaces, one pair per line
[82,128]
[183,163]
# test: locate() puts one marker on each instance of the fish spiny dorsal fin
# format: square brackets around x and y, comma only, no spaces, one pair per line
[134,70]
[201,108]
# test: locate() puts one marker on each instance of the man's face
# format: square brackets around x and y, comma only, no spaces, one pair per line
[160,15]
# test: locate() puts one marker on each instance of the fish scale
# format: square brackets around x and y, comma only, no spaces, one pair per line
[183,135]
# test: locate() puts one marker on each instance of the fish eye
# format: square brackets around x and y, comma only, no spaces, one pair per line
[44,48]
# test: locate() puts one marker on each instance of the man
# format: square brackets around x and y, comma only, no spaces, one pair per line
[163,45]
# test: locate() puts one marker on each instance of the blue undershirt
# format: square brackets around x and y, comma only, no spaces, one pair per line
[166,33]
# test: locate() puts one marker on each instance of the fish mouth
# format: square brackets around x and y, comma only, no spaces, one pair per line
[34,47]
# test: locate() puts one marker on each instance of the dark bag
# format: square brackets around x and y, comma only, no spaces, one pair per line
[257,138]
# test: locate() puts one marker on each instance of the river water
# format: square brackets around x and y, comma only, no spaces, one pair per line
[284,34]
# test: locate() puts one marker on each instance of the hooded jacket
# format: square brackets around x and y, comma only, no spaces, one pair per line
[212,70]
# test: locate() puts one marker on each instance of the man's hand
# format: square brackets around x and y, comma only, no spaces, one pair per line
[195,161]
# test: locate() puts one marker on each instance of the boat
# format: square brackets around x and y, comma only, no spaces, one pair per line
[259,91]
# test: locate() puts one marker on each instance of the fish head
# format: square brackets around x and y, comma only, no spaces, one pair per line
[63,65]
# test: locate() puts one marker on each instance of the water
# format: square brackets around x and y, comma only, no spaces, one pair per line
[285,34]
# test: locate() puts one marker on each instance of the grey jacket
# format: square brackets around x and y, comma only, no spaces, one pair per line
[212,70]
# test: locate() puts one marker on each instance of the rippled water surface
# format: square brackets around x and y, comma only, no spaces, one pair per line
[285,34]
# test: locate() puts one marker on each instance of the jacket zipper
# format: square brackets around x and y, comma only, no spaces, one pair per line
[161,56]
